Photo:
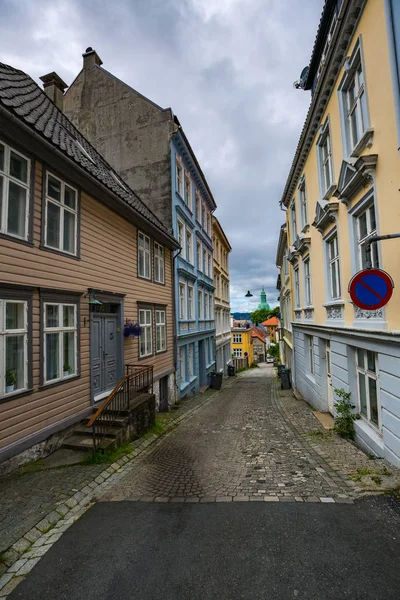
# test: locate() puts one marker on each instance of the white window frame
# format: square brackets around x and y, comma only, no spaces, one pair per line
[206,306]
[353,110]
[146,323]
[333,264]
[209,268]
[303,203]
[4,197]
[144,239]
[365,372]
[181,234]
[203,214]
[325,160]
[238,353]
[211,306]
[182,301]
[60,329]
[63,210]
[198,206]
[310,354]
[296,276]
[4,333]
[237,338]
[190,303]
[205,263]
[188,190]
[179,176]
[361,241]
[307,281]
[200,304]
[161,330]
[189,246]
[159,263]
[293,220]
[199,255]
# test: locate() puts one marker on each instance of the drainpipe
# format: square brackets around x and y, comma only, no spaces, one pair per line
[174,257]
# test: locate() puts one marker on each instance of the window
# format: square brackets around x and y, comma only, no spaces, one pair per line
[13,346]
[60,341]
[209,224]
[159,268]
[307,282]
[179,176]
[205,264]
[198,255]
[61,216]
[209,272]
[190,303]
[293,221]
[324,154]
[237,352]
[203,213]
[189,246]
[303,203]
[182,363]
[368,391]
[237,338]
[200,306]
[366,227]
[181,234]
[14,192]
[296,287]
[182,300]
[161,337]
[144,257]
[191,360]
[206,305]
[334,268]
[210,302]
[352,97]
[198,207]
[146,339]
[310,351]
[188,191]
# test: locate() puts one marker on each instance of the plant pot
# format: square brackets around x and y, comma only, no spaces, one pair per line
[66,373]
[9,388]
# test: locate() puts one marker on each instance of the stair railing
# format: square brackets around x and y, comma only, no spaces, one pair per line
[137,380]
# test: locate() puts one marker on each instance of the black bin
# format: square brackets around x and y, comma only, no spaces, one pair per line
[231,370]
[285,379]
[280,368]
[216,380]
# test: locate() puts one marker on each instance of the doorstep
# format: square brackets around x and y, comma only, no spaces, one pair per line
[325,419]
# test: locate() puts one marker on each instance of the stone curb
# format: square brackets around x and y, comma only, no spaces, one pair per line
[23,555]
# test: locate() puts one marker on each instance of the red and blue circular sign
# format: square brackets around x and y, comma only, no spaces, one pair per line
[371,289]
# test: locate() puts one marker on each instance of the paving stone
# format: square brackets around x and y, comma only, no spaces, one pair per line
[28,566]
[11,585]
[21,545]
[271,499]
[4,579]
[327,500]
[17,565]
[33,535]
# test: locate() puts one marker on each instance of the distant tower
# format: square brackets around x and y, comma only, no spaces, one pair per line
[264,303]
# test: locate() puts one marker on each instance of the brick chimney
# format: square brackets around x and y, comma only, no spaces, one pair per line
[91,58]
[54,87]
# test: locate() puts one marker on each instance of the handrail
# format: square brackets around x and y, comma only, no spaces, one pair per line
[107,401]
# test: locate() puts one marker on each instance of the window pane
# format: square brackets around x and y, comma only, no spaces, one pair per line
[371,361]
[16,209]
[70,197]
[372,218]
[53,188]
[141,263]
[15,315]
[147,265]
[1,157]
[362,224]
[334,281]
[18,167]
[52,315]
[52,356]
[363,394]
[373,400]
[15,362]
[69,353]
[68,316]
[142,344]
[69,232]
[53,225]
[360,358]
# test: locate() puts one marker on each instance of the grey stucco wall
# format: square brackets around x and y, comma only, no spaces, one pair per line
[129,131]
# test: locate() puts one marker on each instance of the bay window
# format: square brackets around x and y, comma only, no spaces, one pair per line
[14,192]
[61,215]
[60,341]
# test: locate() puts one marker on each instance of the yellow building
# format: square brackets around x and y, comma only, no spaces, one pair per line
[343,187]
[242,346]
[222,311]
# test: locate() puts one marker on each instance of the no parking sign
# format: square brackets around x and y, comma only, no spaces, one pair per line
[371,289]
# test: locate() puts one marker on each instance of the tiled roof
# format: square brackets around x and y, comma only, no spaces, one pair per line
[255,333]
[271,321]
[26,100]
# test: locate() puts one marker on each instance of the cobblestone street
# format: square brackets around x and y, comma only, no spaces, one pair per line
[249,444]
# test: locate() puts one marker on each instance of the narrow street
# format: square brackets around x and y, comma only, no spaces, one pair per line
[242,500]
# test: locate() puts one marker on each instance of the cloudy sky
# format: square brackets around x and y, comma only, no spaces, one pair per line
[225,67]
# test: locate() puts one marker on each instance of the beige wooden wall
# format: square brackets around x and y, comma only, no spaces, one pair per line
[108,262]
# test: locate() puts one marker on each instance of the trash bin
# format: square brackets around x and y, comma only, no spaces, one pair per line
[216,380]
[280,367]
[231,370]
[285,379]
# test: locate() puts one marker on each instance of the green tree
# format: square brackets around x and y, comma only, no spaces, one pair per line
[259,315]
[273,351]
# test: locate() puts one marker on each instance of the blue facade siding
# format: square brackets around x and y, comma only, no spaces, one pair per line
[196,331]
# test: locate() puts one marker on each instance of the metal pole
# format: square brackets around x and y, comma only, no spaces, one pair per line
[372,240]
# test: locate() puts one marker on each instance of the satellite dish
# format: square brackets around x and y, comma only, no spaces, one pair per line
[300,83]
